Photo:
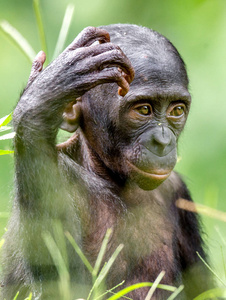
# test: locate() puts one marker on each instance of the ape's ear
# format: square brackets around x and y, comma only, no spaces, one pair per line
[71,117]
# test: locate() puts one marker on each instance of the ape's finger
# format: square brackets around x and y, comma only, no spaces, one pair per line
[110,75]
[37,65]
[113,58]
[123,85]
[86,52]
[88,36]
[118,76]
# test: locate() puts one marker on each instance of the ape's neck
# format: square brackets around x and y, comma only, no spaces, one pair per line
[93,163]
[78,148]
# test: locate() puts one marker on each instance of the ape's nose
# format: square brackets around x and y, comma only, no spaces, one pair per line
[161,141]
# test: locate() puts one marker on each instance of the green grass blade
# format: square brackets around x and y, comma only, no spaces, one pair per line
[211,270]
[79,252]
[64,30]
[212,294]
[55,254]
[5,128]
[2,243]
[59,238]
[220,235]
[17,39]
[175,293]
[7,136]
[110,291]
[17,294]
[201,209]
[101,253]
[29,297]
[138,286]
[105,270]
[155,284]
[5,152]
[41,31]
[108,265]
[5,120]
[60,265]
[223,261]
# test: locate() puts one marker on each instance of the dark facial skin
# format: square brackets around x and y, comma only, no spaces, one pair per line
[158,116]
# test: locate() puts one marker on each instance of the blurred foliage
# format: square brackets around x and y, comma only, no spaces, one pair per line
[197,28]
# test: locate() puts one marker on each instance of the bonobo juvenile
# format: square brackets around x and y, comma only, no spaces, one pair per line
[123,91]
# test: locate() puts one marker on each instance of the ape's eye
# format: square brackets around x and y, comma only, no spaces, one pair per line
[144,110]
[177,111]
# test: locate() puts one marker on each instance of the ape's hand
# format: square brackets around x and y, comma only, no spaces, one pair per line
[82,66]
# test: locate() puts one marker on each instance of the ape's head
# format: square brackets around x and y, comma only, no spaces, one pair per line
[136,136]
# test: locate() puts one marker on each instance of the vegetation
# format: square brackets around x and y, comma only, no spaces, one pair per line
[198,26]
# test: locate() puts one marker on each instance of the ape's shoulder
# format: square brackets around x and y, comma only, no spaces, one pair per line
[175,187]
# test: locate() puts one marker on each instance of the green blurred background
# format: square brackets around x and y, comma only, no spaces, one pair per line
[198,29]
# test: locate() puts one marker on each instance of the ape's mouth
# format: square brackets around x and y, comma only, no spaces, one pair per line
[156,175]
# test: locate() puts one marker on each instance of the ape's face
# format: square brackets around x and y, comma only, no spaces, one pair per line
[152,115]
[136,135]
[152,121]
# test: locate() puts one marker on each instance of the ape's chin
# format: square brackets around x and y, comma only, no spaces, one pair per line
[147,184]
[146,180]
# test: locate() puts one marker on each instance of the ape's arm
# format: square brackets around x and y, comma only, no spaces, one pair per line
[38,114]
[78,69]
[196,277]
[43,194]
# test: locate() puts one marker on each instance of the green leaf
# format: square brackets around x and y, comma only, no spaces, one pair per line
[138,286]
[211,270]
[108,265]
[17,39]
[64,30]
[2,243]
[101,252]
[5,120]
[60,265]
[79,252]
[212,294]
[155,284]
[29,297]
[175,293]
[4,152]
[105,269]
[17,294]
[5,128]
[41,31]
[7,136]
[110,291]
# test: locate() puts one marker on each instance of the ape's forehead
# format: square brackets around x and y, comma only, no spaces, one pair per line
[152,55]
[137,38]
[161,71]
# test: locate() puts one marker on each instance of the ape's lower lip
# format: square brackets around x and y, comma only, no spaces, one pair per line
[154,175]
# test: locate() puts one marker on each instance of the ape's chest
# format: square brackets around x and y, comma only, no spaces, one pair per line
[147,234]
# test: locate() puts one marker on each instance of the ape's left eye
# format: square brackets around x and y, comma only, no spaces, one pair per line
[144,110]
[177,111]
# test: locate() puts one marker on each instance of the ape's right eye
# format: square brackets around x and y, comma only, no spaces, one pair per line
[144,110]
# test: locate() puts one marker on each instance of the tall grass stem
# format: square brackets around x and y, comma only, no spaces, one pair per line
[64,30]
[41,30]
[18,40]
